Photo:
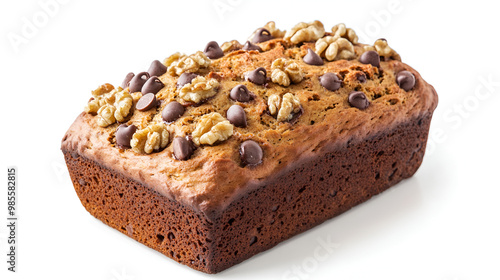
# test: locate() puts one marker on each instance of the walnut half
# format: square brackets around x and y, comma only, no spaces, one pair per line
[123,103]
[101,96]
[285,71]
[340,30]
[152,138]
[335,48]
[179,63]
[304,32]
[198,89]
[211,128]
[110,105]
[284,108]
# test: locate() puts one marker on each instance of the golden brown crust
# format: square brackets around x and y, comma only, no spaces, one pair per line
[214,175]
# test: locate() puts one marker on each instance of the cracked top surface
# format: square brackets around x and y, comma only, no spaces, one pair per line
[214,174]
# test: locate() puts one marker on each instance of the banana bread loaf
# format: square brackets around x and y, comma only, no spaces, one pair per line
[213,157]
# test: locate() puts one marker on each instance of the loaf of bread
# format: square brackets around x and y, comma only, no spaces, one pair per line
[213,157]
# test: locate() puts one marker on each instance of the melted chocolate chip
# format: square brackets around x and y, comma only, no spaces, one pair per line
[250,153]
[185,78]
[251,47]
[257,76]
[213,51]
[240,93]
[405,80]
[183,148]
[138,81]
[236,115]
[172,111]
[330,81]
[313,58]
[361,77]
[153,85]
[124,134]
[262,35]
[157,68]
[358,100]
[147,101]
[127,79]
[370,57]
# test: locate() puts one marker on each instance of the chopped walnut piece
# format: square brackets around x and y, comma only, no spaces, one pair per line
[303,32]
[110,106]
[273,103]
[285,71]
[340,30]
[231,46]
[94,105]
[280,77]
[179,63]
[106,115]
[211,128]
[136,95]
[383,49]
[104,94]
[123,103]
[335,48]
[275,32]
[102,89]
[152,138]
[174,57]
[284,108]
[200,88]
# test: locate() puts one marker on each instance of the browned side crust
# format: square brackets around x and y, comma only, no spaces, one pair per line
[294,201]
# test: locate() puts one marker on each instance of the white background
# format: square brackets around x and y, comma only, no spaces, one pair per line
[441,224]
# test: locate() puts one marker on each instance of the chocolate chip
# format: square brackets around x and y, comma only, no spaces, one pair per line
[405,80]
[213,51]
[146,102]
[124,134]
[183,148]
[361,77]
[257,76]
[236,115]
[312,58]
[262,35]
[370,57]
[138,81]
[250,153]
[127,79]
[240,93]
[185,78]
[172,111]
[330,81]
[251,47]
[153,85]
[157,68]
[358,99]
